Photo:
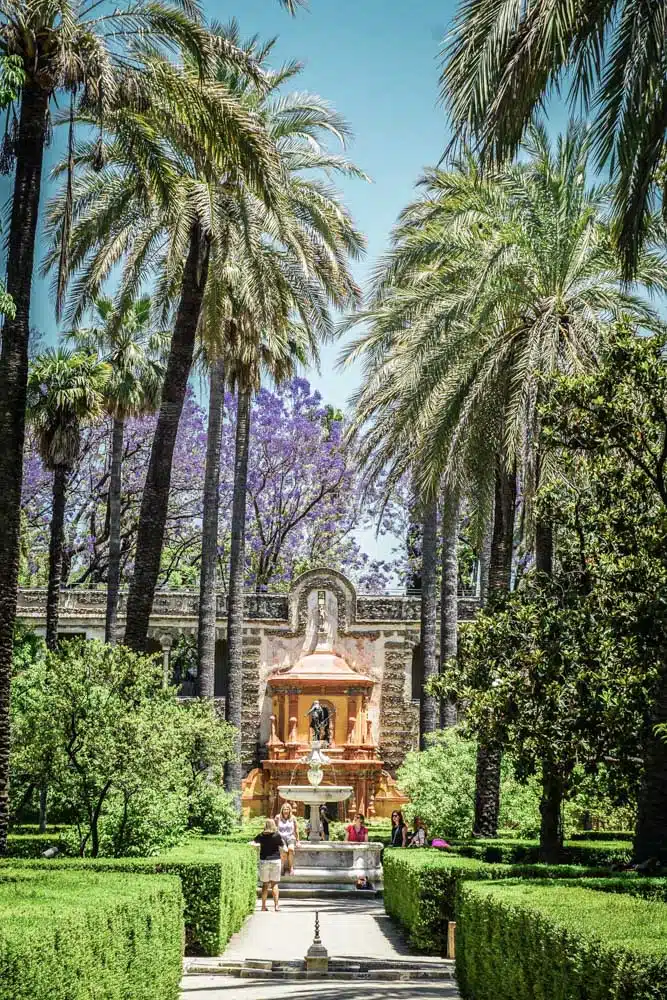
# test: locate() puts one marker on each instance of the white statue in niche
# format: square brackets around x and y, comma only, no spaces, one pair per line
[322,614]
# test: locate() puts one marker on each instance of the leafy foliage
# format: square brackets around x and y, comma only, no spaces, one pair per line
[128,764]
[440,783]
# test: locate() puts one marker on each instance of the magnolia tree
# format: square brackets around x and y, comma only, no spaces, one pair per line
[304,502]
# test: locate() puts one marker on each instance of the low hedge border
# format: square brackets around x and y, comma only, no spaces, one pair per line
[593,853]
[421,888]
[219,883]
[522,940]
[630,884]
[31,845]
[72,936]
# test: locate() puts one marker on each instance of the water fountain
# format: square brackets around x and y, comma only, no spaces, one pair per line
[328,861]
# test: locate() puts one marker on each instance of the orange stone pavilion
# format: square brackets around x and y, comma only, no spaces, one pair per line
[345,694]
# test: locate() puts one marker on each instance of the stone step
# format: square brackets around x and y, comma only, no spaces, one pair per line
[339,968]
[329,890]
[334,876]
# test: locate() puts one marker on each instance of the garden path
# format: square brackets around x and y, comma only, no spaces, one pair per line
[350,929]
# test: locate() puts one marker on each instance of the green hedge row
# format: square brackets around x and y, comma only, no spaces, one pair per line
[598,854]
[31,845]
[607,836]
[219,883]
[631,884]
[421,888]
[522,940]
[75,936]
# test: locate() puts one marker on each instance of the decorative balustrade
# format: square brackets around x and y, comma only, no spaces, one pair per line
[184,605]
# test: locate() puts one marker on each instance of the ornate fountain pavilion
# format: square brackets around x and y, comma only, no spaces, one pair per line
[359,655]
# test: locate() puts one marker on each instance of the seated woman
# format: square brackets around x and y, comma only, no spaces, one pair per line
[418,837]
[269,842]
[289,832]
[356,832]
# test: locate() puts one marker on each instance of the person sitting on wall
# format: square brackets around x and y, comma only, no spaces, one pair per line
[289,833]
[356,832]
[270,865]
[418,837]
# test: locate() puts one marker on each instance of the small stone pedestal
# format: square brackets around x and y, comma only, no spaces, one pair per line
[317,957]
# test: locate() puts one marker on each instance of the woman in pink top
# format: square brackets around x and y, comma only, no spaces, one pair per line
[356,831]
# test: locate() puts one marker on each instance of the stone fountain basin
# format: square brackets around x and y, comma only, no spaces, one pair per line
[315,795]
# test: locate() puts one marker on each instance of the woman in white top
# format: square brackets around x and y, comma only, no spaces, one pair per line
[418,838]
[289,832]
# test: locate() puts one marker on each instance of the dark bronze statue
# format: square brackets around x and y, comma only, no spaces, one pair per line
[319,721]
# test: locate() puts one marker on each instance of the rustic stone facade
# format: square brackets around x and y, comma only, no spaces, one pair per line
[375,634]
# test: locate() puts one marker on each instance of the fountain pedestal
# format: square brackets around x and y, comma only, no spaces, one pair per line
[335,862]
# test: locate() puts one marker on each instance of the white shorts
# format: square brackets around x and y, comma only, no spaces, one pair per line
[269,871]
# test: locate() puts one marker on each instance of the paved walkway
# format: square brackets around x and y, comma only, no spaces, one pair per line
[349,929]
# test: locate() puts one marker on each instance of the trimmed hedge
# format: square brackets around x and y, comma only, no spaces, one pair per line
[31,845]
[629,883]
[523,940]
[607,836]
[83,936]
[421,889]
[219,883]
[598,854]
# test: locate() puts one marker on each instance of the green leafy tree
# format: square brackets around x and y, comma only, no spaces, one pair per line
[65,390]
[617,418]
[441,784]
[134,348]
[125,758]
[502,61]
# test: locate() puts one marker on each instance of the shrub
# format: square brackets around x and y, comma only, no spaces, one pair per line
[599,854]
[31,845]
[211,809]
[605,835]
[440,783]
[218,880]
[421,887]
[73,936]
[518,941]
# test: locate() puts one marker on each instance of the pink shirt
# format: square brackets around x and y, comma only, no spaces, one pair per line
[358,836]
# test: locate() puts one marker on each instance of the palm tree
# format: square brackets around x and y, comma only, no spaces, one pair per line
[65,390]
[428,703]
[156,205]
[209,532]
[449,589]
[495,280]
[134,349]
[501,62]
[77,49]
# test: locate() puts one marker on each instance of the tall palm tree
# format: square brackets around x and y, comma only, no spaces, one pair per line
[428,703]
[134,348]
[502,61]
[449,590]
[156,206]
[65,390]
[495,280]
[77,49]
[269,294]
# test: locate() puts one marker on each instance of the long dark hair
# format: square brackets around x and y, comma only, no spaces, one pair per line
[401,822]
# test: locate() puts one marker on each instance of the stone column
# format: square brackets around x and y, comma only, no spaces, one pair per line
[285,735]
[293,717]
[166,641]
[351,718]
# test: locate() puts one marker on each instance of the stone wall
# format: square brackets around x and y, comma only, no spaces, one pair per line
[375,634]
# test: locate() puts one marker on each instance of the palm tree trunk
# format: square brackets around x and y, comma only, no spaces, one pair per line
[449,598]
[429,704]
[56,542]
[155,500]
[234,708]
[544,546]
[115,487]
[484,562]
[13,382]
[651,829]
[551,805]
[209,534]
[489,754]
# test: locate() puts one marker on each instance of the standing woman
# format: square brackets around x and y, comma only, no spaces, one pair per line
[289,833]
[269,862]
[399,829]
